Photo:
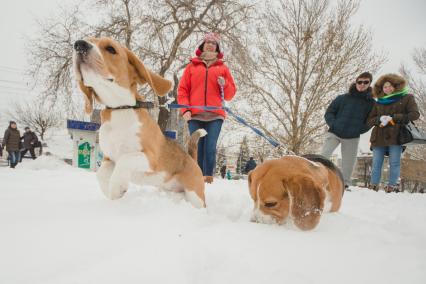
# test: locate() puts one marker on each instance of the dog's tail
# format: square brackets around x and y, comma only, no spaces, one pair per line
[326,162]
[193,143]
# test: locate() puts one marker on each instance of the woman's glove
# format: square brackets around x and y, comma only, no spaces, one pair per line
[385,119]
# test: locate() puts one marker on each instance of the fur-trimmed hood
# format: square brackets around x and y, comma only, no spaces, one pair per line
[397,81]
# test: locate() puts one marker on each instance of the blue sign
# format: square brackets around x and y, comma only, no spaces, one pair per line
[172,134]
[82,125]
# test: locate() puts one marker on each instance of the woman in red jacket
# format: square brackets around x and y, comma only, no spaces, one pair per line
[199,86]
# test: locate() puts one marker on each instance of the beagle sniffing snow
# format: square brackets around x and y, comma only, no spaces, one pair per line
[295,188]
[135,150]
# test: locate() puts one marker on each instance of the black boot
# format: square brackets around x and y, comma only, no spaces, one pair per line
[374,187]
[388,189]
[396,188]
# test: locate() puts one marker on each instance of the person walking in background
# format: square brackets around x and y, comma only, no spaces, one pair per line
[228,174]
[11,141]
[346,118]
[199,86]
[394,107]
[223,171]
[250,165]
[30,140]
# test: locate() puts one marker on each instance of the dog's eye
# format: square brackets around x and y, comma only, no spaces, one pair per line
[270,204]
[110,49]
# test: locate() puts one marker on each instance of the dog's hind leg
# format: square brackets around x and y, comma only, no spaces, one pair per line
[196,198]
[123,173]
[194,189]
[104,175]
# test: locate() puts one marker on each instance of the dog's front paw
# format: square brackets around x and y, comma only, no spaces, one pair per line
[117,190]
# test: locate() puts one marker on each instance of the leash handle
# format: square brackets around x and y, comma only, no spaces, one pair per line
[222,91]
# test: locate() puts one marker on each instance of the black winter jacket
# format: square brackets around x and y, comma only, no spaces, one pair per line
[30,139]
[250,165]
[347,114]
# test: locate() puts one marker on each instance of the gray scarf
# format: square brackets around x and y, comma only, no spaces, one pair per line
[209,57]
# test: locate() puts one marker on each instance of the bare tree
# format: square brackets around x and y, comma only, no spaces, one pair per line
[163,33]
[169,26]
[50,57]
[305,52]
[419,58]
[417,83]
[261,150]
[36,115]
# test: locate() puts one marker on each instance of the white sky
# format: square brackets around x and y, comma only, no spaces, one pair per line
[397,28]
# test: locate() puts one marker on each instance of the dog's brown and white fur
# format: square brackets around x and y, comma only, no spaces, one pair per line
[134,147]
[295,188]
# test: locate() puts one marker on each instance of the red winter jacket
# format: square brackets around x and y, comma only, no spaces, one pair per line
[199,87]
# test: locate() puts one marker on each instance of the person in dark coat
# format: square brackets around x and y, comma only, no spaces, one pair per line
[223,171]
[11,141]
[395,106]
[30,140]
[346,118]
[250,165]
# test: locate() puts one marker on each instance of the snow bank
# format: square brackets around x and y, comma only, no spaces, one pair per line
[57,227]
[51,162]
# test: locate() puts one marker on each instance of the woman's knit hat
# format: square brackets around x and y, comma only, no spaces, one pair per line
[210,37]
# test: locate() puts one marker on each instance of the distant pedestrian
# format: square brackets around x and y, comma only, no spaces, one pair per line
[250,165]
[228,175]
[30,141]
[223,171]
[11,141]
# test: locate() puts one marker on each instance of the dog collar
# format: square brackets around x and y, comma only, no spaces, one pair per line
[139,104]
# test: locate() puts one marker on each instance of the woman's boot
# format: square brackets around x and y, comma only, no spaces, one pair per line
[374,187]
[388,188]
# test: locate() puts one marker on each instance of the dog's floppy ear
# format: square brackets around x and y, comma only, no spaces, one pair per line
[253,179]
[88,97]
[252,190]
[160,85]
[307,201]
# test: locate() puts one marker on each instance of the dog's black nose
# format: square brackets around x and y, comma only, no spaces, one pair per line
[82,46]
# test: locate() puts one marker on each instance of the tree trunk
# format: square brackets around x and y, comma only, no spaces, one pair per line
[163,116]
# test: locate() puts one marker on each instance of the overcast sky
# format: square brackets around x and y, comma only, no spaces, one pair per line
[397,27]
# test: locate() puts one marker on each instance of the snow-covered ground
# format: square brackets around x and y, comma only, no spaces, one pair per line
[57,227]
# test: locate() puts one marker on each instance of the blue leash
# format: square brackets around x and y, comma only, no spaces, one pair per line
[230,112]
[255,130]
